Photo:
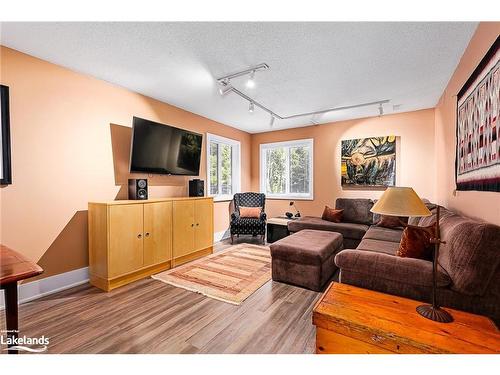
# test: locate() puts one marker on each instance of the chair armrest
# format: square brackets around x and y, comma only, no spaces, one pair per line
[263,216]
[235,216]
[390,267]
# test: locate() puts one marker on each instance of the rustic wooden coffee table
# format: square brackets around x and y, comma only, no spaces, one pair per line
[353,320]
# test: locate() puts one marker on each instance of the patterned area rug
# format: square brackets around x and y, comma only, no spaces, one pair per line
[231,275]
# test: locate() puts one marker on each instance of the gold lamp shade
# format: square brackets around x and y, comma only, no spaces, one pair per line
[400,201]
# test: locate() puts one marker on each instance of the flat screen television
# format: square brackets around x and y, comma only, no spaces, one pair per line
[163,149]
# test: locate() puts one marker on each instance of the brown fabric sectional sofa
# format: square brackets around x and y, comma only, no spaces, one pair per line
[469,261]
[356,220]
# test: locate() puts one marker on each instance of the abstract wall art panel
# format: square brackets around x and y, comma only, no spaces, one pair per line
[369,162]
[478,145]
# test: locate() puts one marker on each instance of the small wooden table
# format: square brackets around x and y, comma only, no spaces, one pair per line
[352,320]
[277,228]
[13,268]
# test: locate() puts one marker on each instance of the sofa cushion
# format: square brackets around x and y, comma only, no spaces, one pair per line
[416,243]
[355,210]
[387,221]
[378,246]
[429,204]
[331,214]
[390,267]
[413,220]
[249,223]
[471,254]
[348,230]
[307,247]
[250,212]
[384,234]
[427,221]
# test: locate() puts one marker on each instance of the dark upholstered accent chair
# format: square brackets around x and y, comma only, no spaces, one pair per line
[240,225]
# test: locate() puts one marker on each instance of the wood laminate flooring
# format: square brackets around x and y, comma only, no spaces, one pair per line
[149,316]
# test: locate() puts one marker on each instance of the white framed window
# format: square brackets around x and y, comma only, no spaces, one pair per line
[223,167]
[286,169]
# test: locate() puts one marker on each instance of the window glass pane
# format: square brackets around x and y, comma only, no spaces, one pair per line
[299,169]
[276,171]
[226,169]
[214,172]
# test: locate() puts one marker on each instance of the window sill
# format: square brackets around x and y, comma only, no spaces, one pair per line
[222,198]
[289,197]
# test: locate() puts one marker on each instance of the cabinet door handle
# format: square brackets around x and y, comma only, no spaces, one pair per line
[147,234]
[139,235]
[197,224]
[192,225]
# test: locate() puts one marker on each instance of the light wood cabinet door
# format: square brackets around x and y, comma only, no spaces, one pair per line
[157,232]
[183,228]
[203,224]
[125,239]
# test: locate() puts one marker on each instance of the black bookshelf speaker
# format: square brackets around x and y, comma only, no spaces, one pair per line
[138,188]
[196,188]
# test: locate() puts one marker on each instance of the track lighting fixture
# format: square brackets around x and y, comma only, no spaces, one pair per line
[272,122]
[251,71]
[224,90]
[251,80]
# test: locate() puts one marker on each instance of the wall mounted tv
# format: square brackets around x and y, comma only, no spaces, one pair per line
[163,149]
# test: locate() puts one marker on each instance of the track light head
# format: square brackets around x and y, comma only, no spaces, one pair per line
[251,107]
[251,81]
[380,109]
[225,89]
[272,121]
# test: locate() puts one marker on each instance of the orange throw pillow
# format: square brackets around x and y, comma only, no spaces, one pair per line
[416,243]
[250,212]
[387,221]
[332,215]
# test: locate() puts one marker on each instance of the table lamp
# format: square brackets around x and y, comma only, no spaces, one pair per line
[298,212]
[403,201]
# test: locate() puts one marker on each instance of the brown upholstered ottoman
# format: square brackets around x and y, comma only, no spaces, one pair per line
[306,258]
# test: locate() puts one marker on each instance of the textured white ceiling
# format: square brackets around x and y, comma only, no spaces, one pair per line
[313,66]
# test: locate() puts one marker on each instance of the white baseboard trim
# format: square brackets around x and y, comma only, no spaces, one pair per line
[49,285]
[219,236]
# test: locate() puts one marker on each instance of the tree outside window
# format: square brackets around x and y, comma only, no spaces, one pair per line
[223,166]
[286,168]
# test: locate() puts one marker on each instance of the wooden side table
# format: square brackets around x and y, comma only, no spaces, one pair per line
[13,268]
[352,320]
[277,228]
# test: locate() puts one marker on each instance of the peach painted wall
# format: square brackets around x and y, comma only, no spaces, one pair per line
[415,160]
[71,139]
[481,205]
[70,145]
